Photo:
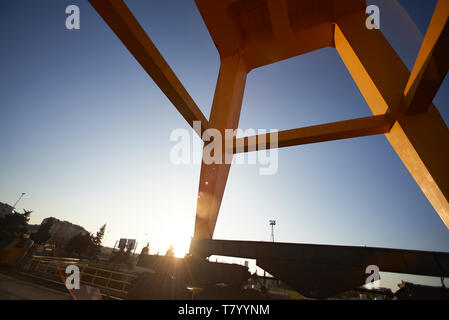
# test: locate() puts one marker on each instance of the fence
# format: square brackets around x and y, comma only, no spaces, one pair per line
[108,281]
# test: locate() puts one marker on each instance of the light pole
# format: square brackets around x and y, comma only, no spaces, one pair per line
[272,224]
[15,204]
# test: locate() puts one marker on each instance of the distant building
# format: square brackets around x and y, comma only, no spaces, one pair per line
[32,228]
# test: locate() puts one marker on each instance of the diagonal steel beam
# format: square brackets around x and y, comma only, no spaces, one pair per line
[121,20]
[432,63]
[225,114]
[420,140]
[320,133]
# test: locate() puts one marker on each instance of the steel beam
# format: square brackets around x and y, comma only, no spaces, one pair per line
[225,114]
[420,140]
[432,63]
[267,31]
[322,271]
[121,20]
[255,33]
[320,133]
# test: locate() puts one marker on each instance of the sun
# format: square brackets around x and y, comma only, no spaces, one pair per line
[179,237]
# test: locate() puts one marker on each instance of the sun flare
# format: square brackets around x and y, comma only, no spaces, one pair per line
[178,237]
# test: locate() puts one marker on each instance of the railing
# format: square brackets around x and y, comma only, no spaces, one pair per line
[48,267]
[110,265]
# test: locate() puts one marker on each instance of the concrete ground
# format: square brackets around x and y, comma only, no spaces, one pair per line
[17,289]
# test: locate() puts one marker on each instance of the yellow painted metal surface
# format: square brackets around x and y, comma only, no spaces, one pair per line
[113,280]
[252,33]
[420,140]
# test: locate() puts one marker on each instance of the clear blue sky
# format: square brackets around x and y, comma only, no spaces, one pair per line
[85,133]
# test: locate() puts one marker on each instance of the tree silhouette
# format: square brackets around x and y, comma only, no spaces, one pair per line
[146,249]
[81,245]
[98,239]
[43,233]
[13,225]
[170,252]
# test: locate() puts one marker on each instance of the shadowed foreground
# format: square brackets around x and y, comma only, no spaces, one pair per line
[16,289]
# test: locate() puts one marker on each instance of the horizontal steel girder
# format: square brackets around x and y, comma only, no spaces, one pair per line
[320,133]
[322,271]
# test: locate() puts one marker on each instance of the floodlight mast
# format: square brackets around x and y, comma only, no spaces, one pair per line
[272,224]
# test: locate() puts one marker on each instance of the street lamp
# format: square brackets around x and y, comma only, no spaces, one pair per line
[272,224]
[15,204]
